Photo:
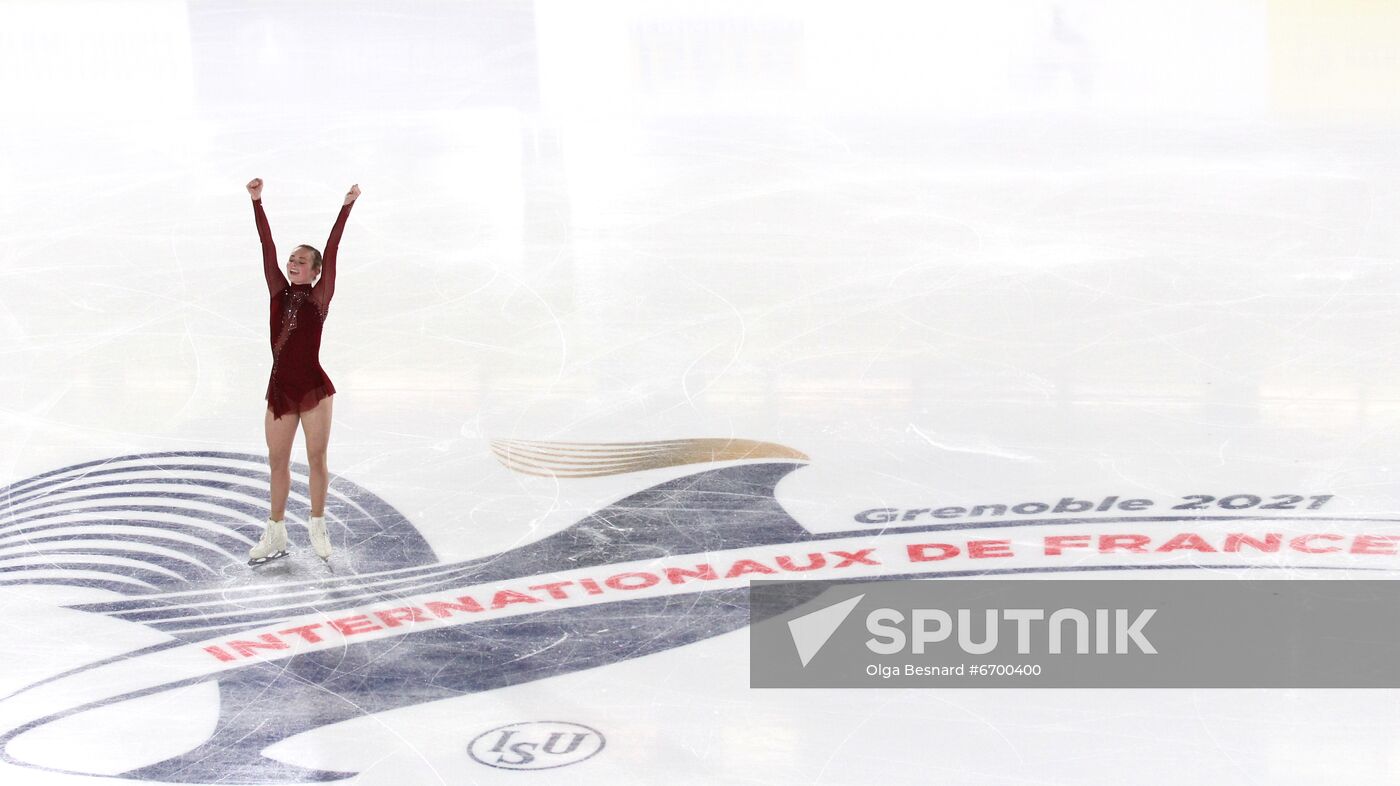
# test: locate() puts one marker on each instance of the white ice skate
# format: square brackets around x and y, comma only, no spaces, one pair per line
[320,539]
[272,545]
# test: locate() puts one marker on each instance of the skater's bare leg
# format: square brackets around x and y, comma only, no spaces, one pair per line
[316,425]
[280,432]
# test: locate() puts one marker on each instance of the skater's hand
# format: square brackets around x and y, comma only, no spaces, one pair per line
[255,188]
[352,194]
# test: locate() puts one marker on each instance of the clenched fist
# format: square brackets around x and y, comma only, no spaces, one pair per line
[255,188]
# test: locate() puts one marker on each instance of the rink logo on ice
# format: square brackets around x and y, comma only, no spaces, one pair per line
[536,745]
[156,543]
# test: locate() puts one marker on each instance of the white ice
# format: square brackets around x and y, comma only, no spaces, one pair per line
[954,252]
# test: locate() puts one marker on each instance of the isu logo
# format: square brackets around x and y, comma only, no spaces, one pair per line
[536,745]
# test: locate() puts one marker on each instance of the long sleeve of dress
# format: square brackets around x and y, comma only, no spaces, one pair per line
[325,287]
[276,281]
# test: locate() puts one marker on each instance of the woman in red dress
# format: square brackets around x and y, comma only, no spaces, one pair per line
[298,389]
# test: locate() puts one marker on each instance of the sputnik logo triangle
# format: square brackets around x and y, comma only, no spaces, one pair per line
[811,632]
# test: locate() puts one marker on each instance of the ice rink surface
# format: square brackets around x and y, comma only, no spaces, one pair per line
[635,287]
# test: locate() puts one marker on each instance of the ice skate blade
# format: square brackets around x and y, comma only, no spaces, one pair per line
[264,560]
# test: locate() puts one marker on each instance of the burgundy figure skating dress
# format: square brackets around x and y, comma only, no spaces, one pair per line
[298,311]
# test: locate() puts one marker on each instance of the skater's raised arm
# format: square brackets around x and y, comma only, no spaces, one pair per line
[271,271]
[325,287]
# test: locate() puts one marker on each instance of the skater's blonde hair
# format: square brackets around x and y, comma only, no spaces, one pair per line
[315,256]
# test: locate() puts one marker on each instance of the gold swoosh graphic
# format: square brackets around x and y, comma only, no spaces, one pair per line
[594,459]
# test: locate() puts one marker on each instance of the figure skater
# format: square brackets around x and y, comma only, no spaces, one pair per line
[298,390]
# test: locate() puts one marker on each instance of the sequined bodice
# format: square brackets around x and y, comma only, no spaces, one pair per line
[292,300]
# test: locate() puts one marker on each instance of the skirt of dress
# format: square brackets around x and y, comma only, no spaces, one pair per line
[297,390]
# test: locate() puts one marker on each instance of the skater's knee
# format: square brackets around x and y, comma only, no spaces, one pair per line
[316,459]
[279,464]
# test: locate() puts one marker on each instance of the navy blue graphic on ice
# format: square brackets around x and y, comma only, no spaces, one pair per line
[263,701]
[712,511]
[143,524]
[716,510]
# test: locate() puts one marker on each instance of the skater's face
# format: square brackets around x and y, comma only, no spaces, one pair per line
[299,267]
